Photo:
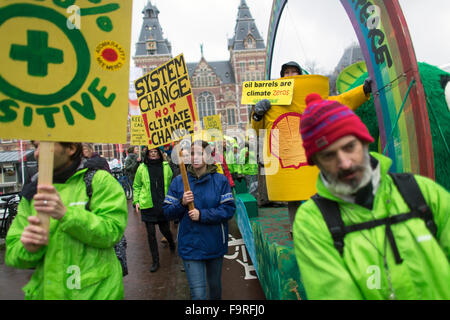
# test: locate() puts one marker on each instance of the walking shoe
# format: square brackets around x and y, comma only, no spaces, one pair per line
[164,240]
[154,267]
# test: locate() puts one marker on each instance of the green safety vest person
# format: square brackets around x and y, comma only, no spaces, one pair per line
[377,245]
[141,187]
[151,183]
[230,158]
[76,260]
[247,162]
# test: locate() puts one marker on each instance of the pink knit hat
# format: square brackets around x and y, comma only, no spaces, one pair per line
[325,121]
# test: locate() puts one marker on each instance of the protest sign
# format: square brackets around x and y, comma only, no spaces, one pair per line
[166,102]
[137,129]
[212,122]
[64,74]
[213,127]
[46,159]
[278,92]
[64,70]
[184,177]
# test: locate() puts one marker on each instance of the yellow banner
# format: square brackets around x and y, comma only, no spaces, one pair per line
[137,129]
[64,70]
[213,127]
[166,102]
[278,92]
[212,122]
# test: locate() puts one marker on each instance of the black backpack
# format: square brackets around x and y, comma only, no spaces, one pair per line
[410,191]
[120,247]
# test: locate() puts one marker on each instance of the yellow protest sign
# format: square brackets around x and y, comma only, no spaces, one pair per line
[278,92]
[213,127]
[64,70]
[166,102]
[137,129]
[212,122]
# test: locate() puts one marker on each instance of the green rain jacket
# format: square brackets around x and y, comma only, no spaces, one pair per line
[79,262]
[361,273]
[247,165]
[141,185]
[231,161]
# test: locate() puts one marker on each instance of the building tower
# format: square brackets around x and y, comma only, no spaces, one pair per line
[247,55]
[216,85]
[152,49]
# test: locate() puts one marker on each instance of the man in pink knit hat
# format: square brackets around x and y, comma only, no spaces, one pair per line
[367,234]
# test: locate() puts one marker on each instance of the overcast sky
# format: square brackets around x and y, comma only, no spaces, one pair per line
[310,32]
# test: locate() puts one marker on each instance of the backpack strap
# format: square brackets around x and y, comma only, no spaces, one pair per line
[411,193]
[332,216]
[88,176]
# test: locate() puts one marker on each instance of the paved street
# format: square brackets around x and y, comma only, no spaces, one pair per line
[169,282]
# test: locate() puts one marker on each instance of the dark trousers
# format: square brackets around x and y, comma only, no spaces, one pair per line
[164,227]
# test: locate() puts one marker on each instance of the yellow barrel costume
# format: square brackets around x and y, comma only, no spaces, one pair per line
[288,176]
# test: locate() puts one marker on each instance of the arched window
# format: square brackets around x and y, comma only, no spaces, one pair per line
[211,105]
[231,115]
[250,42]
[201,104]
[206,104]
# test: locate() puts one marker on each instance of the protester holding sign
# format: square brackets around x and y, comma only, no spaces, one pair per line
[77,259]
[203,231]
[151,183]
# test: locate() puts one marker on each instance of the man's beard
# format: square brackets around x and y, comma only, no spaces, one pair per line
[336,186]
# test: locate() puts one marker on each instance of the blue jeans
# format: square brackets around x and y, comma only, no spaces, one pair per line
[203,275]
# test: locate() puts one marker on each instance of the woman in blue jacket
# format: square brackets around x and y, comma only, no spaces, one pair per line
[203,231]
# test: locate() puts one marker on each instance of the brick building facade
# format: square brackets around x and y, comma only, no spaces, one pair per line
[217,85]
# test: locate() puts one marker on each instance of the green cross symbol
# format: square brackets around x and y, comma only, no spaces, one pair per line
[37,53]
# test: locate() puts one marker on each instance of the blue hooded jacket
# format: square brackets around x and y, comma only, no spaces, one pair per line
[208,237]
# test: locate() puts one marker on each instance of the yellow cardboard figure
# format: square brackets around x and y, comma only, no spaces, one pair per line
[288,176]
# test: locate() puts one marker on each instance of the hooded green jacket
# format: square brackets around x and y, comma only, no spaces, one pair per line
[247,165]
[361,273]
[79,261]
[232,164]
[141,185]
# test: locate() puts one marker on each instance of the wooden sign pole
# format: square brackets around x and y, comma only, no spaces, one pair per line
[184,176]
[46,153]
